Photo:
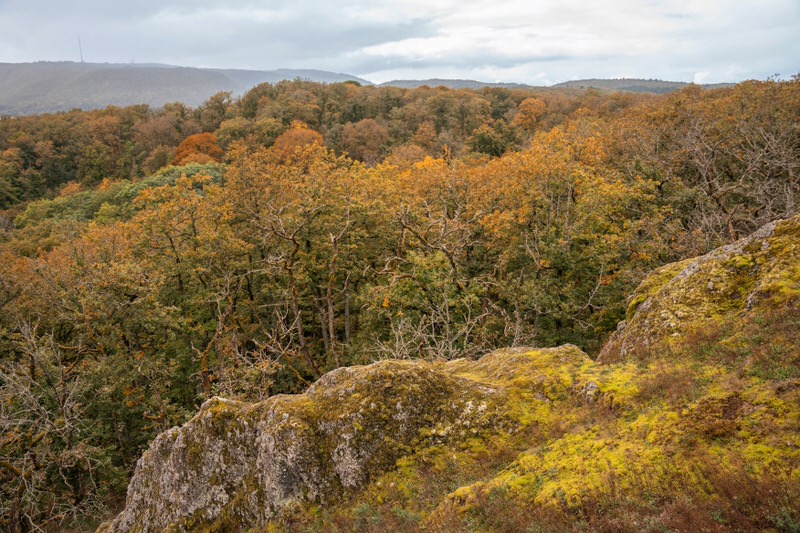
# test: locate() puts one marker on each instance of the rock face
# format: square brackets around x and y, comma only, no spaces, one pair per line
[751,275]
[237,465]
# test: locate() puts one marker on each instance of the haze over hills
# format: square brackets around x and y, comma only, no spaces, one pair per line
[43,87]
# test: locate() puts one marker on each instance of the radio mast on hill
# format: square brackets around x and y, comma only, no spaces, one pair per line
[80,48]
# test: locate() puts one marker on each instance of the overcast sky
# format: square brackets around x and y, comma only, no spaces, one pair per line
[530,41]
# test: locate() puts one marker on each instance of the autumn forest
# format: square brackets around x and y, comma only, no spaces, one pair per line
[153,258]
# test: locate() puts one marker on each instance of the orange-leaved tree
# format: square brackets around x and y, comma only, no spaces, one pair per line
[291,140]
[198,148]
[528,114]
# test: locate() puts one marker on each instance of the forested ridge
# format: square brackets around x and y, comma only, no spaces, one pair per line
[153,258]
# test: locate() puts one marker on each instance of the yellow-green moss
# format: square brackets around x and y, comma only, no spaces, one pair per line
[686,303]
[652,284]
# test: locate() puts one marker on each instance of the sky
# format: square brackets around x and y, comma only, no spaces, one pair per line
[538,42]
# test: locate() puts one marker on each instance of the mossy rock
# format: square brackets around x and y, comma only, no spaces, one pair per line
[238,466]
[738,282]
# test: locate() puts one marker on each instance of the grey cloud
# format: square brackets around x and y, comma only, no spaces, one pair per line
[554,40]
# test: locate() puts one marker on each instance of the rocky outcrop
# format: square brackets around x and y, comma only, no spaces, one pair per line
[524,439]
[689,424]
[752,275]
[237,465]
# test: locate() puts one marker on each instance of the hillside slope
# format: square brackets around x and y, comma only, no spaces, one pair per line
[699,432]
[45,87]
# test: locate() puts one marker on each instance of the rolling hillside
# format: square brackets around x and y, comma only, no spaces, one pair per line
[44,87]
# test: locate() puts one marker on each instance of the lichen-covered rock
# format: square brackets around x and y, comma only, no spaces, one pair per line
[191,472]
[750,276]
[236,466]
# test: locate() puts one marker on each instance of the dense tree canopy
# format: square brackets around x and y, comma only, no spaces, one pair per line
[457,221]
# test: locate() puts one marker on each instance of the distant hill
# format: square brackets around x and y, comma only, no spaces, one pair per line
[632,85]
[451,84]
[46,87]
[43,87]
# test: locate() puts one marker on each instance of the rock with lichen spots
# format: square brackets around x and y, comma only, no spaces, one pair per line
[757,273]
[236,466]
